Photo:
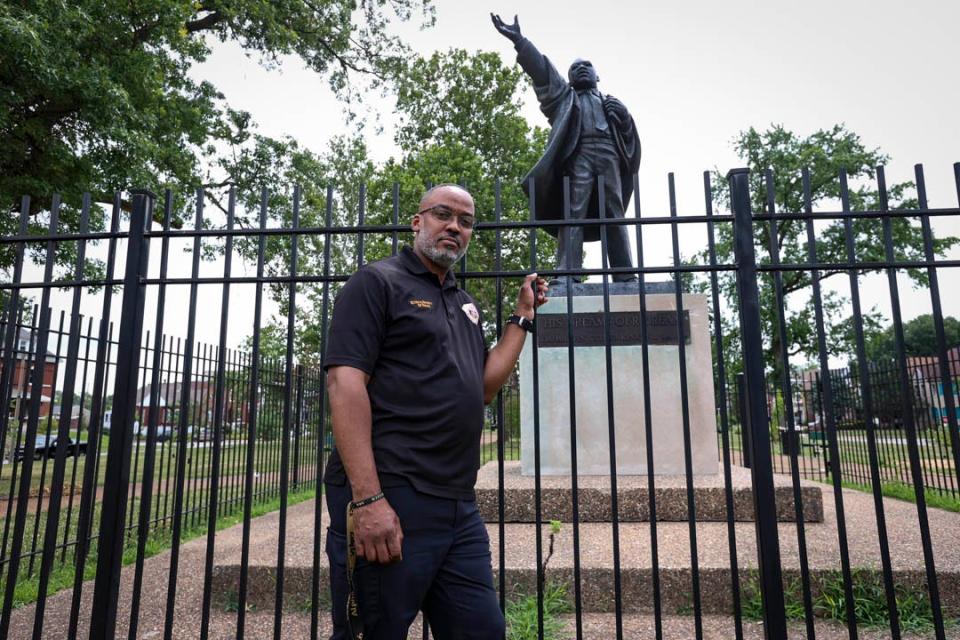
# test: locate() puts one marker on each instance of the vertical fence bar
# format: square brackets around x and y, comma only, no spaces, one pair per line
[287,391]
[173,382]
[146,488]
[219,402]
[182,423]
[395,217]
[252,417]
[138,427]
[913,450]
[63,427]
[611,417]
[29,444]
[45,459]
[12,333]
[830,421]
[863,370]
[116,475]
[787,392]
[322,426]
[647,420]
[685,415]
[572,387]
[501,432]
[761,468]
[535,360]
[297,424]
[19,416]
[80,425]
[946,374]
[721,376]
[88,491]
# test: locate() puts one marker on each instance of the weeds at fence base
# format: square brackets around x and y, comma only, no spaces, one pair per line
[829,602]
[159,540]
[521,613]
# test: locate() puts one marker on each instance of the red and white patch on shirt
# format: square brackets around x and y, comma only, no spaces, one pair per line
[471,310]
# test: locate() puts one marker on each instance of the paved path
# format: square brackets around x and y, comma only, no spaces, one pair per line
[520,553]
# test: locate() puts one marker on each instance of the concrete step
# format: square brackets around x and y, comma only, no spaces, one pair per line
[597,567]
[296,626]
[556,497]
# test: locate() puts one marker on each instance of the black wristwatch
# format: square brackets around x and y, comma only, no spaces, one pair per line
[524,323]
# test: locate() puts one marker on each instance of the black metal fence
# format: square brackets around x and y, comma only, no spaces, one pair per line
[928,404]
[626,552]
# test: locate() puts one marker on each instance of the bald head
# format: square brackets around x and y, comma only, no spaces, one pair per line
[442,226]
[452,195]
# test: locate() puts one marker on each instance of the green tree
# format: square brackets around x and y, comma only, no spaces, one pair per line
[825,153]
[919,338]
[460,122]
[97,95]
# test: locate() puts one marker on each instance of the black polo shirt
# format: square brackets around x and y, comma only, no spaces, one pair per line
[422,344]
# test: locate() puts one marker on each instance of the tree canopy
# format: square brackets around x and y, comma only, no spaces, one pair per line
[460,122]
[824,153]
[96,95]
[919,338]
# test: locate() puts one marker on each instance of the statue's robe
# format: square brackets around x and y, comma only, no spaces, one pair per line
[560,103]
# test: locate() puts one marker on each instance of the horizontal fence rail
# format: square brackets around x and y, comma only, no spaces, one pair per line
[167,424]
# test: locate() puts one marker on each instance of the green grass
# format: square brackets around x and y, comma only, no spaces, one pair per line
[511,451]
[829,601]
[521,614]
[233,462]
[62,575]
[903,491]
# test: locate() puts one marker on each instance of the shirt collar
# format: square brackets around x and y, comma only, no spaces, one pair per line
[415,266]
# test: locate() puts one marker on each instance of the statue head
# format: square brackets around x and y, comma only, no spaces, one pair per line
[582,75]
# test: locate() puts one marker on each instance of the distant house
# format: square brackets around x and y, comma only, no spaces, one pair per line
[202,403]
[926,373]
[23,354]
[75,414]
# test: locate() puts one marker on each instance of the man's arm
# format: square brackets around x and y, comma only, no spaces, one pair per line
[503,357]
[377,532]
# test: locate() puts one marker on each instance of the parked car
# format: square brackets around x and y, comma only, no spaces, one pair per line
[46,447]
[164,432]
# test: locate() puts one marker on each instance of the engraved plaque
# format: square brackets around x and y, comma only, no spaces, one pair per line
[625,330]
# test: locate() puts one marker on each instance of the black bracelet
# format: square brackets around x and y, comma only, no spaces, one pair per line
[524,323]
[366,501]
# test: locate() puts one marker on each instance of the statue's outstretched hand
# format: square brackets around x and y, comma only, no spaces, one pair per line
[509,31]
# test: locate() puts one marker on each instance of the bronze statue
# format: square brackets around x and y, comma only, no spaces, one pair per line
[591,135]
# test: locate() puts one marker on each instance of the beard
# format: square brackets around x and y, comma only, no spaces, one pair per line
[444,258]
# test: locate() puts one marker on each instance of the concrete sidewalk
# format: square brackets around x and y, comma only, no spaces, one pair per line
[596,565]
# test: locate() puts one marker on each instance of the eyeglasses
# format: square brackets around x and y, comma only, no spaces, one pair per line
[443,213]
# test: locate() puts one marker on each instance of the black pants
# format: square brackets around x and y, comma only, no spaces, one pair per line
[445,571]
[591,160]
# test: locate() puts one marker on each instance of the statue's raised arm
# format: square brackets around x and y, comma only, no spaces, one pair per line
[547,81]
[592,136]
[509,31]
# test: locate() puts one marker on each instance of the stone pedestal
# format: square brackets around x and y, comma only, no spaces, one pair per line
[593,453]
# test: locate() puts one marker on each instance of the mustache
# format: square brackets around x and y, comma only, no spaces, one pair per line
[452,238]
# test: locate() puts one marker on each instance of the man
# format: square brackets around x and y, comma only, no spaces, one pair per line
[408,378]
[591,136]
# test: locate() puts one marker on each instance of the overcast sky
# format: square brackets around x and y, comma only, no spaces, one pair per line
[693,74]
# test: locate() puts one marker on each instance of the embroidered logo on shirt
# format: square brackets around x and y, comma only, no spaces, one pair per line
[471,312]
[422,304]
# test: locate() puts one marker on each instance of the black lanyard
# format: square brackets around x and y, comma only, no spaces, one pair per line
[354,622]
